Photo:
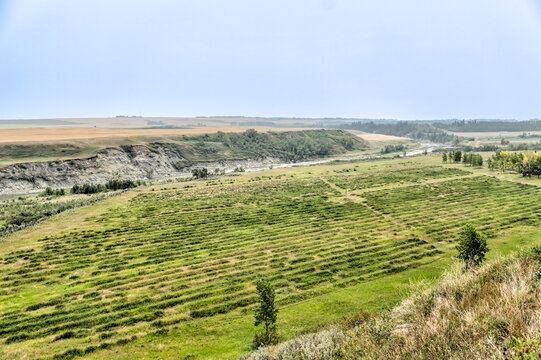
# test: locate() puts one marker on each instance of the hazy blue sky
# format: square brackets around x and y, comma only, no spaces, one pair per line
[349,58]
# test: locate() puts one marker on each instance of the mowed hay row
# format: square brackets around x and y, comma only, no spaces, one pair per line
[175,255]
[441,208]
[383,177]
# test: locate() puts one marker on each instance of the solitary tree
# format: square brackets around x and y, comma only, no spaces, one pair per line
[472,246]
[265,313]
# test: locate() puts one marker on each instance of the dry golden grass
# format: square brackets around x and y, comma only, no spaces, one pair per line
[381,137]
[491,313]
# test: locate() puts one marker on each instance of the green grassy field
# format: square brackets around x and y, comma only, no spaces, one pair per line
[168,271]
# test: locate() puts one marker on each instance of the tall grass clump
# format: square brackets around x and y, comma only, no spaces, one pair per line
[492,312]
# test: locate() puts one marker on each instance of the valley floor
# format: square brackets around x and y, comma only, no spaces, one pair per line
[167,271]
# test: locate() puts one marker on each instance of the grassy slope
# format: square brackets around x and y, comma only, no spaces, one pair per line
[225,336]
[492,312]
[193,147]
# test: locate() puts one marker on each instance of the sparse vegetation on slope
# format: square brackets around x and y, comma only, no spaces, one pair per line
[22,212]
[286,145]
[176,156]
[493,312]
[418,131]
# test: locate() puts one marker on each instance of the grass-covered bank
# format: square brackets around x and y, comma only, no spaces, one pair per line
[252,144]
[168,271]
[229,336]
[491,312]
[176,156]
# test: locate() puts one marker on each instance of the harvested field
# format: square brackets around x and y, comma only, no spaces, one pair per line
[187,254]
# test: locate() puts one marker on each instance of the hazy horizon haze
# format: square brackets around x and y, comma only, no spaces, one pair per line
[324,58]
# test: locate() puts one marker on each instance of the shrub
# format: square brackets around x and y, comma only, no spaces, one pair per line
[53,192]
[393,148]
[114,184]
[264,339]
[523,349]
[200,173]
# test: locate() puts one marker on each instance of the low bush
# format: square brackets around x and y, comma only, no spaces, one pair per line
[393,148]
[53,192]
[110,185]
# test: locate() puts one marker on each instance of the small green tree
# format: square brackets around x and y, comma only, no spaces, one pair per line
[477,160]
[472,246]
[444,157]
[457,156]
[265,313]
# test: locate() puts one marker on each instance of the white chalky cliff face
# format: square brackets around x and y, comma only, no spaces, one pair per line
[136,162]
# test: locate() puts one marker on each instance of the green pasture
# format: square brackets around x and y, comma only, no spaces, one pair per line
[167,271]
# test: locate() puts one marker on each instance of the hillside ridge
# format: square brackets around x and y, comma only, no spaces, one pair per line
[163,159]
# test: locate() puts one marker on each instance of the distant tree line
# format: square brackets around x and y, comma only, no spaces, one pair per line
[472,159]
[509,147]
[524,146]
[418,131]
[483,147]
[203,173]
[393,148]
[491,125]
[452,156]
[110,185]
[526,163]
[53,192]
[457,156]
[525,135]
